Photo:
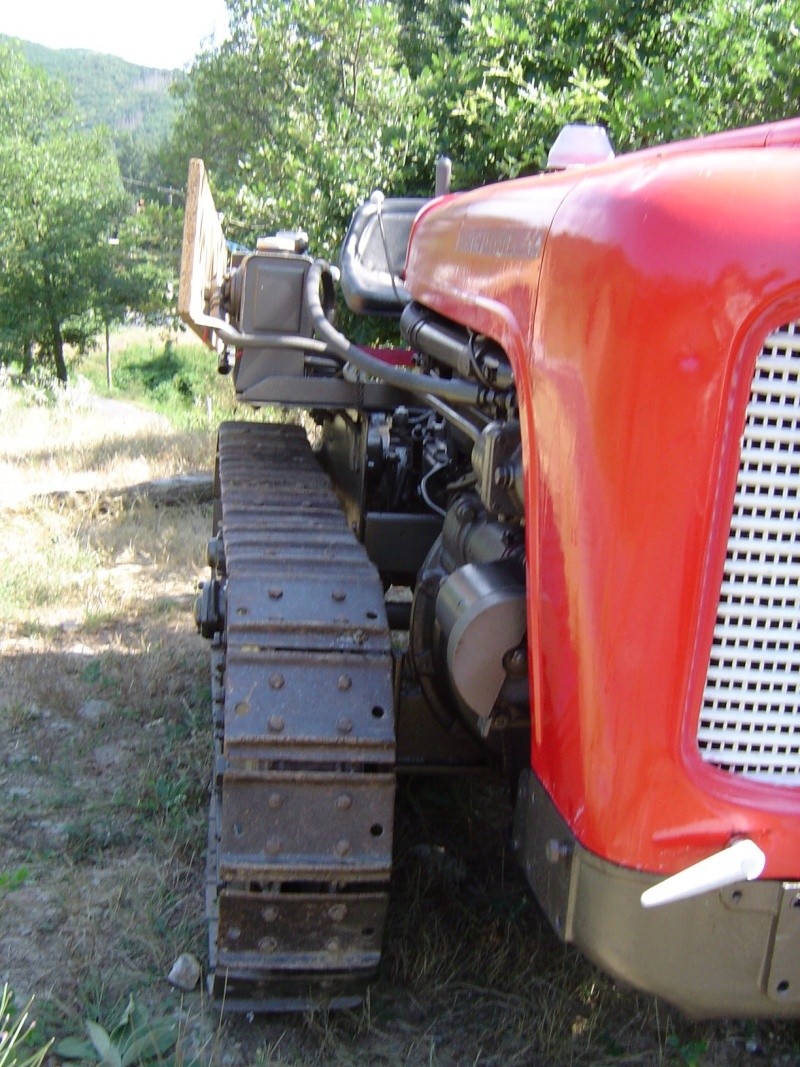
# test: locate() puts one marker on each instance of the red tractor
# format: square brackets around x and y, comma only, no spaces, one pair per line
[557,534]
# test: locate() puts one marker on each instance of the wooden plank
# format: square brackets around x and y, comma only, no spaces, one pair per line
[204,255]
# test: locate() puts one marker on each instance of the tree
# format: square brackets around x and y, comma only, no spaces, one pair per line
[313,103]
[302,113]
[650,70]
[61,200]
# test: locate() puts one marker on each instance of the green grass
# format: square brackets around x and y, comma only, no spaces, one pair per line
[177,378]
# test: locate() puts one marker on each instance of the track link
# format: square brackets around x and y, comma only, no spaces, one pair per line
[300,832]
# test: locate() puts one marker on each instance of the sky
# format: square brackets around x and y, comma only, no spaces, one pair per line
[152,33]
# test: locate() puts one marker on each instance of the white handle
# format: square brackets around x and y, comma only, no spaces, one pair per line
[741,862]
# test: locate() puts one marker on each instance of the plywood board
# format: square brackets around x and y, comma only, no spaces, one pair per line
[204,255]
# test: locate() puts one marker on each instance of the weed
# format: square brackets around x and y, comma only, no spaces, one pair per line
[133,1041]
[690,1053]
[11,880]
[15,1035]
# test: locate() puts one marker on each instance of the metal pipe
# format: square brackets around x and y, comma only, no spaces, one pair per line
[268,339]
[458,421]
[458,392]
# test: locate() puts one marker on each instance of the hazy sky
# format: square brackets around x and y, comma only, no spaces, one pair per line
[153,33]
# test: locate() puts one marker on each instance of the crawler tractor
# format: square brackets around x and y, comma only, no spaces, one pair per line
[555,533]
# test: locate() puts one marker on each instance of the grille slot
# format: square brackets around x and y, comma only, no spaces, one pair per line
[750,719]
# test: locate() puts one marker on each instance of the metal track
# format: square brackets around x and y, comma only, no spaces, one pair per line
[300,833]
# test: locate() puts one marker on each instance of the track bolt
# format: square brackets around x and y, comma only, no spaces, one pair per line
[269,914]
[276,723]
[334,945]
[267,944]
[342,847]
[338,595]
[344,725]
[275,594]
[344,682]
[273,846]
[344,802]
[516,662]
[275,801]
[337,912]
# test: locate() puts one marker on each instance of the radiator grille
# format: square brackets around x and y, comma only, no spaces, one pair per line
[750,720]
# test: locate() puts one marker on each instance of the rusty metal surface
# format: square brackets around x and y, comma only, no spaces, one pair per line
[300,832]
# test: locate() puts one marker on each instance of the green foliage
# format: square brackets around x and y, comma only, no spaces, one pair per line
[134,1041]
[178,380]
[11,880]
[61,203]
[15,1035]
[299,115]
[312,104]
[133,102]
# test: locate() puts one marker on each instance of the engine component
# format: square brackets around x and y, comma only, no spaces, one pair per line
[468,625]
[480,609]
[497,462]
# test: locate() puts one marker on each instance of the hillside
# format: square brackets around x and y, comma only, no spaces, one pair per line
[133,102]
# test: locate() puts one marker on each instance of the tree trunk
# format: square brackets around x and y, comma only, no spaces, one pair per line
[27,360]
[58,354]
[108,357]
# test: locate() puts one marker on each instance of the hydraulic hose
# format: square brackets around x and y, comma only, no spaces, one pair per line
[457,392]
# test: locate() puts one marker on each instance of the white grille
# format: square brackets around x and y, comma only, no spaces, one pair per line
[750,721]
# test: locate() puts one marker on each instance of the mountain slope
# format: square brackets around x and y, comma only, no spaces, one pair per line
[110,91]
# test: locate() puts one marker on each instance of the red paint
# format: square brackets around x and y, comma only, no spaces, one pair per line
[632,299]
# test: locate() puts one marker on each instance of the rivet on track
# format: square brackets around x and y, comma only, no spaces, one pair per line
[276,723]
[267,944]
[338,595]
[276,681]
[275,801]
[275,594]
[344,802]
[269,914]
[344,725]
[342,847]
[344,682]
[337,912]
[242,707]
[273,846]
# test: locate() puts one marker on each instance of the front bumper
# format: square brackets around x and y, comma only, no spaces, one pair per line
[735,952]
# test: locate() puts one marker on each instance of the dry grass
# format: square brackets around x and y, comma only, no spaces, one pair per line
[104,772]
